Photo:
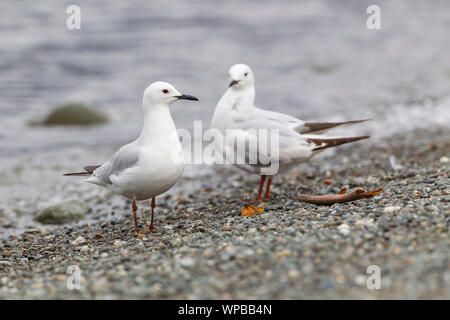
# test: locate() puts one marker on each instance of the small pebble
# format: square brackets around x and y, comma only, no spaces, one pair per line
[187,262]
[344,229]
[79,241]
[391,209]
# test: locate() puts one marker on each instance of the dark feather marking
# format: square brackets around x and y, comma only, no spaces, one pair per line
[89,171]
[319,126]
[333,142]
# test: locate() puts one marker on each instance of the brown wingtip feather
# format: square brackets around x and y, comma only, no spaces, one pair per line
[333,142]
[89,171]
[76,174]
[324,126]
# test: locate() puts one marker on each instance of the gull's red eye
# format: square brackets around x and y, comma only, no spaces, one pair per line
[246,74]
[165,91]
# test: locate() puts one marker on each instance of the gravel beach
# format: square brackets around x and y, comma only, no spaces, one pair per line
[205,249]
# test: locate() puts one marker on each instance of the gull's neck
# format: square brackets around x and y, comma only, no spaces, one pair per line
[241,100]
[158,124]
[233,104]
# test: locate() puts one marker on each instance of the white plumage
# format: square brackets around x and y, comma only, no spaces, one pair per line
[236,116]
[154,162]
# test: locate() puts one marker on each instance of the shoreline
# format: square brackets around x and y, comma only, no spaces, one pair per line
[204,248]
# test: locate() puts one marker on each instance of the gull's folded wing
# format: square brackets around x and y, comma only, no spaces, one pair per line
[325,143]
[88,171]
[126,157]
[321,127]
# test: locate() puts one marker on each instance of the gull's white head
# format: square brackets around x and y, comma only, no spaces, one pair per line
[241,77]
[163,93]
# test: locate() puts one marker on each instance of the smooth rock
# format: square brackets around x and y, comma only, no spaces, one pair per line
[187,262]
[391,209]
[62,212]
[226,228]
[79,241]
[74,114]
[344,229]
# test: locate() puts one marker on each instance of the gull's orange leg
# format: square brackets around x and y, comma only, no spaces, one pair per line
[261,185]
[134,207]
[150,227]
[269,182]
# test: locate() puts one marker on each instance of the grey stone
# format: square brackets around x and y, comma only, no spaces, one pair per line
[62,212]
[74,114]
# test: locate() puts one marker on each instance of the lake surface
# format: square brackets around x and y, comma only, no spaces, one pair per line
[313,59]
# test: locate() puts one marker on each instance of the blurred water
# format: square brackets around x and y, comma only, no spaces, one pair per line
[315,59]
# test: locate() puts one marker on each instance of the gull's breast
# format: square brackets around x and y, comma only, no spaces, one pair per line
[157,171]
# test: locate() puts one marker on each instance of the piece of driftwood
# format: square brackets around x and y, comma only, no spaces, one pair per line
[342,196]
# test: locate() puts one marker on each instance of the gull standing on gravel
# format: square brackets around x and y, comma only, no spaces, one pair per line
[236,114]
[151,164]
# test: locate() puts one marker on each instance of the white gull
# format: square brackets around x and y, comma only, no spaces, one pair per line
[237,117]
[151,164]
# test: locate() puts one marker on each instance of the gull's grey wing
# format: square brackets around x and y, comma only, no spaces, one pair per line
[281,118]
[299,125]
[276,116]
[287,134]
[322,127]
[290,144]
[126,157]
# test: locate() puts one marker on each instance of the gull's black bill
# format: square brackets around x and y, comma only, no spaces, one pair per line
[186,97]
[232,83]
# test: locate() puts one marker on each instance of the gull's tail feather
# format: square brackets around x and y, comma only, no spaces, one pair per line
[321,127]
[333,142]
[77,174]
[89,171]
